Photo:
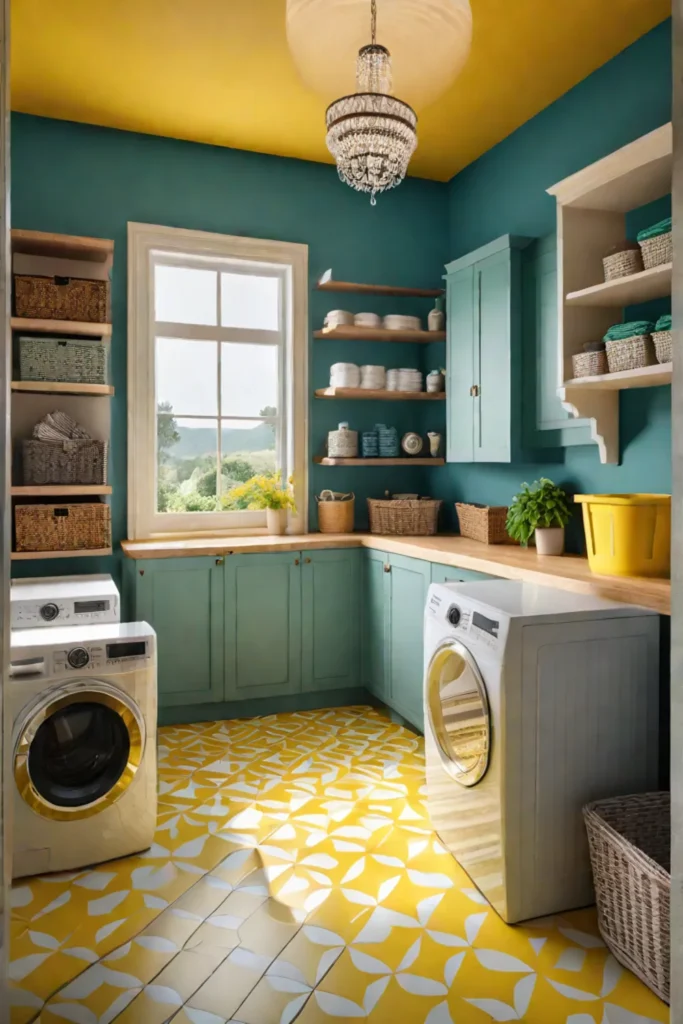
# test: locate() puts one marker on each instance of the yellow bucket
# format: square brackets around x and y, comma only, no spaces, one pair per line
[627,534]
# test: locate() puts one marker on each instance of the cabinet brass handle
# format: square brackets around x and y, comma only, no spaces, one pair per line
[307,561]
[387,567]
[474,391]
[296,561]
[219,561]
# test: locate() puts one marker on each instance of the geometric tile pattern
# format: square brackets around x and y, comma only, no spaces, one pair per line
[295,876]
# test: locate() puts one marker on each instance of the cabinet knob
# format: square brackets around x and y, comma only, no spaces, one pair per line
[296,561]
[220,561]
[387,567]
[307,561]
[474,391]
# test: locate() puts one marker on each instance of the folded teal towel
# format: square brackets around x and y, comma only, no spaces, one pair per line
[664,323]
[630,330]
[661,228]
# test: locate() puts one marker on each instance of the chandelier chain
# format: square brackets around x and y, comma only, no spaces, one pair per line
[373,21]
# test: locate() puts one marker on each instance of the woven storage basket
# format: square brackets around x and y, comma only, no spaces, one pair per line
[62,527]
[60,298]
[406,517]
[663,347]
[657,250]
[64,462]
[485,523]
[62,359]
[629,839]
[336,516]
[621,264]
[630,353]
[589,364]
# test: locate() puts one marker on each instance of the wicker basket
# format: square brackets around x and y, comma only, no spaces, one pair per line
[485,523]
[657,250]
[622,264]
[629,839]
[63,359]
[663,347]
[60,298]
[64,462]
[404,517]
[336,516]
[74,527]
[630,353]
[589,364]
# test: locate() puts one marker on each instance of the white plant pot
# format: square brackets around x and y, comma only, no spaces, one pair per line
[276,521]
[550,540]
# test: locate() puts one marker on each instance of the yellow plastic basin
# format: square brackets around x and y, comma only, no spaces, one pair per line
[627,534]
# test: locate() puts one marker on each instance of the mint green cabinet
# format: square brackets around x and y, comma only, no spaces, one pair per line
[330,619]
[262,625]
[183,600]
[451,574]
[409,583]
[376,623]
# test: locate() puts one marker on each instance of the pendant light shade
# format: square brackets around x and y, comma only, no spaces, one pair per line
[429,42]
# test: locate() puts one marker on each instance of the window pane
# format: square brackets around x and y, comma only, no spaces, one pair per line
[249,384]
[186,464]
[249,301]
[187,376]
[248,449]
[184,296]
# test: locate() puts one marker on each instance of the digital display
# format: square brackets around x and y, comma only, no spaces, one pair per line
[132,649]
[488,625]
[80,607]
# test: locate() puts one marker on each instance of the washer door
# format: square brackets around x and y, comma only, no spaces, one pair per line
[458,710]
[78,750]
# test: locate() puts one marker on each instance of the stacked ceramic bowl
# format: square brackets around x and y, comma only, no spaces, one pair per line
[339,318]
[409,380]
[367,320]
[394,322]
[387,438]
[373,378]
[392,380]
[344,375]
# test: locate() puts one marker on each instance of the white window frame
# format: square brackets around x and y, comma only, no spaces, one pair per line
[145,244]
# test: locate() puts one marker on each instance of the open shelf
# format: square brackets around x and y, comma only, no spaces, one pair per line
[377,334]
[83,330]
[327,284]
[324,460]
[74,247]
[42,387]
[626,291]
[644,377]
[382,395]
[59,490]
[28,556]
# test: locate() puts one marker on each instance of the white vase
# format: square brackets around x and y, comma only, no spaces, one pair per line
[276,521]
[549,540]
[436,320]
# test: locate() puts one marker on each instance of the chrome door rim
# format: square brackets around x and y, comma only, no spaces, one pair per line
[476,773]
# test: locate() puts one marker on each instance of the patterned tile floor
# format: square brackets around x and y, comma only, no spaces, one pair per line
[295,876]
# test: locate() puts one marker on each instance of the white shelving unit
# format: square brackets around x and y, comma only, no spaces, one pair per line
[591,209]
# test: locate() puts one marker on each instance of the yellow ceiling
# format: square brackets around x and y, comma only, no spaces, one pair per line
[218,71]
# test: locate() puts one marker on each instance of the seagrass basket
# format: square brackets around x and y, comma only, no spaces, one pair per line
[404,517]
[72,527]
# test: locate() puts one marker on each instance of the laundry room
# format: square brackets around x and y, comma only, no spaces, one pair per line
[337,677]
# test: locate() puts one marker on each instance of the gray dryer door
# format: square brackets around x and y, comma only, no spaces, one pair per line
[458,710]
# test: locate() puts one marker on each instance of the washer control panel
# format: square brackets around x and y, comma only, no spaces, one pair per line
[83,658]
[63,612]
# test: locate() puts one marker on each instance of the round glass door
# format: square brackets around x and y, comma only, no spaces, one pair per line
[459,713]
[79,752]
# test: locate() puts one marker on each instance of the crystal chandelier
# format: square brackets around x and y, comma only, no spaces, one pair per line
[371,134]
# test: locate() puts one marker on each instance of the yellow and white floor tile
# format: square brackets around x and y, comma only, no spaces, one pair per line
[295,876]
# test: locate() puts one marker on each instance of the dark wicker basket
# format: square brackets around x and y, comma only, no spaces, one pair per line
[67,360]
[64,462]
[485,523]
[73,527]
[404,517]
[60,298]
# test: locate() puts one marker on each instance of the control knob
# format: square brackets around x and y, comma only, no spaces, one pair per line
[78,657]
[49,612]
[453,615]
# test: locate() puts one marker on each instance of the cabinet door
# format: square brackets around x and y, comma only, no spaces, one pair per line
[182,598]
[330,602]
[460,370]
[409,580]
[451,574]
[262,625]
[376,623]
[496,406]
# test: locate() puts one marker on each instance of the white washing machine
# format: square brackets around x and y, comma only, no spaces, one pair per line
[536,701]
[63,601]
[83,707]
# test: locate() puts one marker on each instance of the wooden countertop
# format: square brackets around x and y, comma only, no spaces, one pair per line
[569,572]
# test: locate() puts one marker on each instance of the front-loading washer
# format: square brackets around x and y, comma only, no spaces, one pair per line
[83,707]
[64,601]
[537,701]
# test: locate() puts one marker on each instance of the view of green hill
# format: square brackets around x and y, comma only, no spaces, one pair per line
[201,440]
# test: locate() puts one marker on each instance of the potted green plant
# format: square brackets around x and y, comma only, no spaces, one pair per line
[264,491]
[543,510]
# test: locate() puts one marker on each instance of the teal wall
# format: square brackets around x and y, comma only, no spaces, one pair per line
[505,192]
[91,181]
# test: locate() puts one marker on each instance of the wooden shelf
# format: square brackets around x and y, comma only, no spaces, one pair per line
[327,284]
[28,556]
[377,334]
[382,395]
[645,377]
[83,330]
[324,460]
[74,247]
[42,387]
[59,490]
[626,291]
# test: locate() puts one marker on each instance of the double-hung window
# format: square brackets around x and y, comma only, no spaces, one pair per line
[217,368]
